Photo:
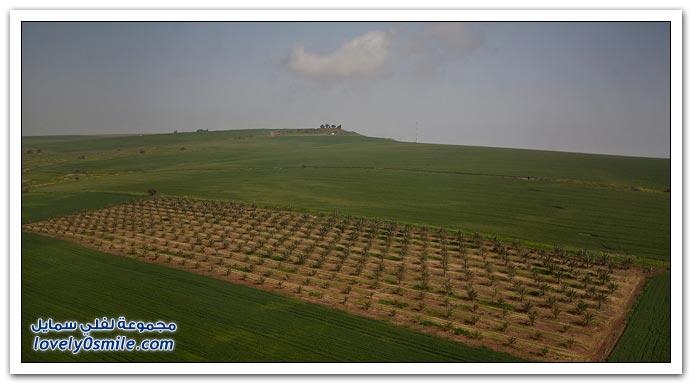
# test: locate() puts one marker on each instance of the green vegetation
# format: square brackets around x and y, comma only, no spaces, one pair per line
[217,320]
[600,203]
[647,336]
[43,206]
[619,205]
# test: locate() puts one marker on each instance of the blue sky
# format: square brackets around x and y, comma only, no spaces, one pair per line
[582,87]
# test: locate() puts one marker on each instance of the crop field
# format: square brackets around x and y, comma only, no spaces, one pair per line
[647,336]
[219,321]
[533,303]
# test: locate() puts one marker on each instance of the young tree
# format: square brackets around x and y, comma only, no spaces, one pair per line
[581,307]
[448,287]
[471,292]
[601,297]
[627,262]
[367,304]
[612,287]
[570,342]
[556,312]
[588,317]
[533,315]
[400,273]
[571,294]
[544,287]
[449,310]
[522,293]
[526,307]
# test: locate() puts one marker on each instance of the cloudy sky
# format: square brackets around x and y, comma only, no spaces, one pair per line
[581,87]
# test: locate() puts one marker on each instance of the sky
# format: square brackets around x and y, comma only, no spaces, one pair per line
[593,87]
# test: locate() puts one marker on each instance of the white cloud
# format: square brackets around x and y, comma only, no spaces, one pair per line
[362,56]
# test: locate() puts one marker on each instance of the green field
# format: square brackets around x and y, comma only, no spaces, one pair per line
[647,336]
[597,202]
[217,321]
[41,206]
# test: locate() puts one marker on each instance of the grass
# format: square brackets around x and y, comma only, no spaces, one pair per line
[217,321]
[602,203]
[42,206]
[647,336]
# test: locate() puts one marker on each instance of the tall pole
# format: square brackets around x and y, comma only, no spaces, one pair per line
[416,132]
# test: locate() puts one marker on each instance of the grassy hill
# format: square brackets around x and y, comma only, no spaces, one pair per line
[601,203]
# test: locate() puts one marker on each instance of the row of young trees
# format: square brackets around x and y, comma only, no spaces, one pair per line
[389,258]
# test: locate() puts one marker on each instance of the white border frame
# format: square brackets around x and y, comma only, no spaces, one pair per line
[674,16]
